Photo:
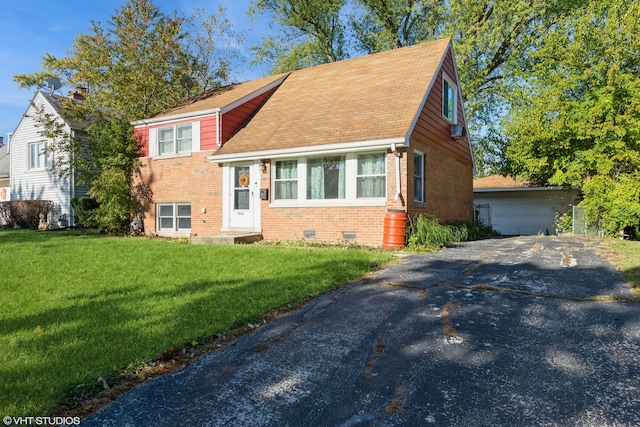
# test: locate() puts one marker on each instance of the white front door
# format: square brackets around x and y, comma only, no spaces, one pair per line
[243,189]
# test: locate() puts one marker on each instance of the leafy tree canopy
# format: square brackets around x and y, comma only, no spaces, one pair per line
[576,114]
[139,63]
[311,33]
[491,38]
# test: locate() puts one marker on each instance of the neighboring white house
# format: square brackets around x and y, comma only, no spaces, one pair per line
[33,172]
[5,191]
[514,207]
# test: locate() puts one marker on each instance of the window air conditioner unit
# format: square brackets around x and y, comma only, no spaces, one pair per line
[457,131]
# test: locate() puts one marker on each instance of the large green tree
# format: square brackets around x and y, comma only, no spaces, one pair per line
[576,115]
[139,63]
[311,32]
[491,38]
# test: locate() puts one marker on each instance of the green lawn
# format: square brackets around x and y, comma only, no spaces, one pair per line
[628,260]
[77,306]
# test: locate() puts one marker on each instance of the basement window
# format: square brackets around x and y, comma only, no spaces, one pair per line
[173,217]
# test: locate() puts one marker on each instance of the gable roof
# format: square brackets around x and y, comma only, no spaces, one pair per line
[501,183]
[370,98]
[57,103]
[498,182]
[216,100]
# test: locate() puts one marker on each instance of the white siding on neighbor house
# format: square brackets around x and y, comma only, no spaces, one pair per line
[37,184]
[525,212]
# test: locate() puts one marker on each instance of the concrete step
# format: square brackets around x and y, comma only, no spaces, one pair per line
[227,238]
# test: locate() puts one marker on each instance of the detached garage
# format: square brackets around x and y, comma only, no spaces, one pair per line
[514,208]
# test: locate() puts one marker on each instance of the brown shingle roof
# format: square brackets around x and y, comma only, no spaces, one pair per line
[373,97]
[498,181]
[220,97]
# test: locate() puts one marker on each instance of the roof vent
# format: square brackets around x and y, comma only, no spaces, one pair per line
[458,131]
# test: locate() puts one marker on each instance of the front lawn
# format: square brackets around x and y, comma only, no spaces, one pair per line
[628,260]
[76,307]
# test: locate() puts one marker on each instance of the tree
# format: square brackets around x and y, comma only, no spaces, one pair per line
[389,24]
[491,38]
[576,115]
[137,65]
[311,33]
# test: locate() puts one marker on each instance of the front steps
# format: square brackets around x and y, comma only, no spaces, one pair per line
[227,238]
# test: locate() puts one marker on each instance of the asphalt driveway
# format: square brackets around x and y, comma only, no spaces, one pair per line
[505,332]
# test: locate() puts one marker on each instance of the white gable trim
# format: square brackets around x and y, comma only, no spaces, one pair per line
[210,111]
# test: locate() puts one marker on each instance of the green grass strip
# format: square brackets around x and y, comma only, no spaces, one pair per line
[77,306]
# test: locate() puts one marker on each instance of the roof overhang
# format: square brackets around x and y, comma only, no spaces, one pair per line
[315,150]
[173,118]
[210,111]
[513,189]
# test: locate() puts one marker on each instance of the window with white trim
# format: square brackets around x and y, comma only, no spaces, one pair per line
[175,139]
[38,156]
[418,177]
[326,178]
[449,99]
[331,180]
[285,183]
[173,217]
[371,178]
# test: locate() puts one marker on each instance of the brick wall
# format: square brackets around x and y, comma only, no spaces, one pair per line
[448,186]
[289,223]
[192,179]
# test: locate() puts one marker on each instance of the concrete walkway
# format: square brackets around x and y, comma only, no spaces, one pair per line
[505,332]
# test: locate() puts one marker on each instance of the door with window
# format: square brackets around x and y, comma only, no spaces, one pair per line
[242,196]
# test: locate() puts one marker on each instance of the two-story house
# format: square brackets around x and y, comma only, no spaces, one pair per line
[320,153]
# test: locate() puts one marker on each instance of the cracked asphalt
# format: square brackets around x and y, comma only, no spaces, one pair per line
[505,332]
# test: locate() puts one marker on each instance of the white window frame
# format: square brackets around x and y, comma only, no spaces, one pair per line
[175,228]
[175,142]
[42,161]
[418,197]
[351,170]
[372,175]
[277,180]
[447,81]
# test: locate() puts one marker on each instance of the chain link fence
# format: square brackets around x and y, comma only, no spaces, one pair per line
[582,226]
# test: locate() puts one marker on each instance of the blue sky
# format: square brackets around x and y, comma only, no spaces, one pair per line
[31,28]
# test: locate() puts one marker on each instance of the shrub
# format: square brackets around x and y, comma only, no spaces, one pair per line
[25,213]
[5,214]
[476,230]
[83,209]
[426,233]
[564,222]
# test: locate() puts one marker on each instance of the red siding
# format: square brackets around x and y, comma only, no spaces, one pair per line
[209,133]
[232,121]
[143,135]
[433,129]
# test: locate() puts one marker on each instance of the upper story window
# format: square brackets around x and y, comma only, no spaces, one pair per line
[418,177]
[449,99]
[175,139]
[38,156]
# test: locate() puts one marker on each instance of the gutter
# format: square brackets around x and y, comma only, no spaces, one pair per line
[397,156]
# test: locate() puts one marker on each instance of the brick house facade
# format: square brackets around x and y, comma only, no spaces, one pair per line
[320,153]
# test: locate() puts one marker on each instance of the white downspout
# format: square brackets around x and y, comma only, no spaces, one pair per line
[395,153]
